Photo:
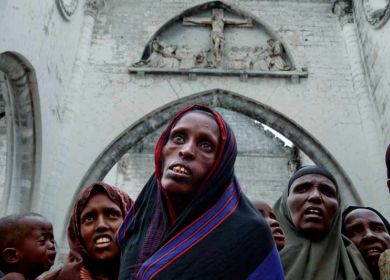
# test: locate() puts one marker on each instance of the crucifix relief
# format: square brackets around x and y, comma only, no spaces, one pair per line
[217,23]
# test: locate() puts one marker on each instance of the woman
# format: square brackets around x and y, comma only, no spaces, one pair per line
[370,232]
[96,217]
[309,212]
[191,221]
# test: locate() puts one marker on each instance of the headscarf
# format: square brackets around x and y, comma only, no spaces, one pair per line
[384,261]
[332,257]
[75,266]
[219,235]
[387,158]
[349,209]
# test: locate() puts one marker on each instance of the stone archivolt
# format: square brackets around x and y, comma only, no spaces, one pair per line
[67,7]
[377,12]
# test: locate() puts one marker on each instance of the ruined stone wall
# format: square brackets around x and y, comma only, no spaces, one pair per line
[375,51]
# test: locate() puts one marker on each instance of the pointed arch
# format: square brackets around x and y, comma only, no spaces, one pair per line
[229,7]
[231,101]
[22,112]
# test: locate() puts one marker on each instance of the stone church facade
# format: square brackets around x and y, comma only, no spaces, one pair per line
[86,86]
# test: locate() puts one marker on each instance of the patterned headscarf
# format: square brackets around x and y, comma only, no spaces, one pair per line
[75,265]
[219,234]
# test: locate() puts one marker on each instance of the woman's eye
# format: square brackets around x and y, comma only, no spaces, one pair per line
[378,228]
[301,189]
[113,215]
[87,219]
[178,139]
[206,146]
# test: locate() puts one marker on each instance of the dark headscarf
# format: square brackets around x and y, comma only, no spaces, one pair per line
[349,209]
[75,266]
[333,257]
[387,158]
[219,235]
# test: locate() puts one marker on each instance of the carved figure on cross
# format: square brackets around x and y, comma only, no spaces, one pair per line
[217,22]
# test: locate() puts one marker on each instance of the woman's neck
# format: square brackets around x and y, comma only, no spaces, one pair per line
[104,269]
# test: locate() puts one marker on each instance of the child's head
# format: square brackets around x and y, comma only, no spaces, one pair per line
[26,244]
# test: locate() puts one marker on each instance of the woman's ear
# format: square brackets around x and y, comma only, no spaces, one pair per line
[10,255]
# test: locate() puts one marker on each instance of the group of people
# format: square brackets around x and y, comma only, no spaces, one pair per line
[192,221]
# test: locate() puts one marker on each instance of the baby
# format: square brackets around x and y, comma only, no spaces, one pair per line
[27,246]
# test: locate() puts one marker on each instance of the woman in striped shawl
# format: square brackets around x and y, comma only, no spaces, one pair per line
[192,221]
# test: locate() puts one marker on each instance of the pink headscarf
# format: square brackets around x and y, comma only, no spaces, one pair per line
[74,267]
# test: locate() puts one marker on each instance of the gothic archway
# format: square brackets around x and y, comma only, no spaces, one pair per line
[231,101]
[22,121]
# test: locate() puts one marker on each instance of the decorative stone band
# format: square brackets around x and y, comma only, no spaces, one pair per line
[67,7]
[295,75]
[377,12]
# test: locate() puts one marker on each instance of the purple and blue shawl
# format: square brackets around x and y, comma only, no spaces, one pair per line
[219,235]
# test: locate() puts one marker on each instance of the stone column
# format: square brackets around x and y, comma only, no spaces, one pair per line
[90,14]
[343,10]
[65,153]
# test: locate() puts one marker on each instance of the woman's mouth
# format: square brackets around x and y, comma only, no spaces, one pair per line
[180,169]
[103,242]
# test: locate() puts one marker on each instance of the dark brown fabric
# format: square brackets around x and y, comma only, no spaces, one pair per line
[75,266]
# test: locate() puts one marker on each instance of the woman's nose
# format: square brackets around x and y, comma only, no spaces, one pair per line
[187,150]
[101,223]
[315,195]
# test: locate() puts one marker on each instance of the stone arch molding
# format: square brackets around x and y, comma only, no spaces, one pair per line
[23,123]
[217,38]
[231,101]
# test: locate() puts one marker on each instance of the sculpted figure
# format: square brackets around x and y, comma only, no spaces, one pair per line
[275,56]
[186,57]
[160,57]
[258,59]
[217,22]
[238,58]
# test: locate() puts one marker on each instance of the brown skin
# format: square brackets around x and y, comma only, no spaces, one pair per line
[35,252]
[312,202]
[270,218]
[100,220]
[188,156]
[388,184]
[368,232]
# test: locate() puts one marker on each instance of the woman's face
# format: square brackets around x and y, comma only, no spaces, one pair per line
[368,232]
[190,153]
[99,222]
[313,203]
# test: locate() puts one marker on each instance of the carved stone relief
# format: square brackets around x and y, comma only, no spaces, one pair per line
[262,58]
[377,12]
[216,39]
[67,7]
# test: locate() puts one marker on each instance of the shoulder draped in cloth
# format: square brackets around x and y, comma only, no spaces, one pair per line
[219,235]
[76,265]
[333,257]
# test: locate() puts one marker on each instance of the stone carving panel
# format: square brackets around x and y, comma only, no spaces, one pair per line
[377,12]
[67,7]
[216,39]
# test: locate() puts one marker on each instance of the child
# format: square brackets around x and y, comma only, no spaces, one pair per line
[273,223]
[27,247]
